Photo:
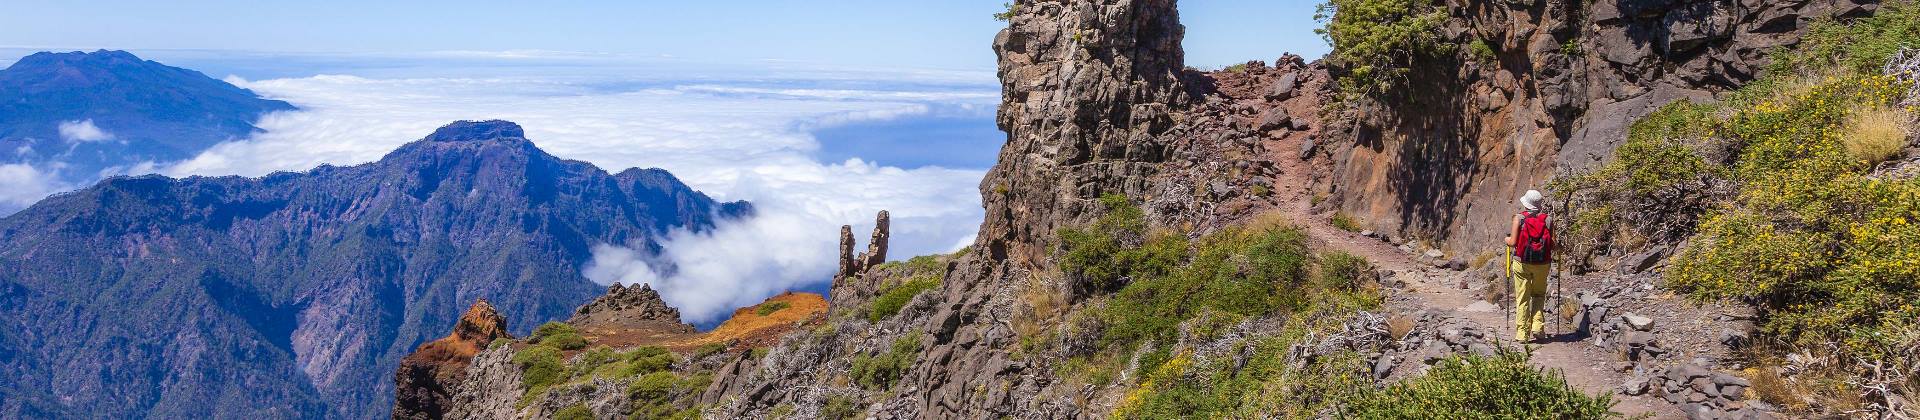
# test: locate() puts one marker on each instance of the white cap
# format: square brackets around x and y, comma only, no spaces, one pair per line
[1531,201]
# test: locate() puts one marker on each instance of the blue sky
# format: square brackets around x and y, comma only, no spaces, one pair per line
[954,34]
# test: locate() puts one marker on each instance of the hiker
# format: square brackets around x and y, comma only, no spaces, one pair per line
[1531,239]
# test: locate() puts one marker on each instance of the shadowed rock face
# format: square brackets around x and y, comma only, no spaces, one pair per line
[1446,161]
[295,295]
[149,112]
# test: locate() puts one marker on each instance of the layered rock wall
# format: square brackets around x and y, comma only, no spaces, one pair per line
[1446,160]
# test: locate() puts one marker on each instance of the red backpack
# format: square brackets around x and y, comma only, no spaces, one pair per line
[1535,243]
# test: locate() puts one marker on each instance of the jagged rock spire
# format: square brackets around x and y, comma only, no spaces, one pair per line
[876,254]
[877,244]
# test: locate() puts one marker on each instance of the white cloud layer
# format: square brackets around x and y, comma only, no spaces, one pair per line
[733,142]
[82,131]
[23,184]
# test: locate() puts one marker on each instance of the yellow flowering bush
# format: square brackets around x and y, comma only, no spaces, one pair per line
[1805,232]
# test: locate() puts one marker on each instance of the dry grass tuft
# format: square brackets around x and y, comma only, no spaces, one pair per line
[1399,326]
[1499,291]
[1568,309]
[1342,221]
[1770,387]
[1876,134]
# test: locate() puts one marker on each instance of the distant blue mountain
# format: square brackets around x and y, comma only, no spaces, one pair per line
[294,295]
[117,110]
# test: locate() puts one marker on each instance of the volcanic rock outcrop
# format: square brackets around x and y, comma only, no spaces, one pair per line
[427,377]
[630,307]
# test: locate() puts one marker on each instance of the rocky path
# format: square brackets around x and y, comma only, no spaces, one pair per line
[1587,367]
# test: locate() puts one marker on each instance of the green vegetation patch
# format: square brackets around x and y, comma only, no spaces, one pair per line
[1096,257]
[881,371]
[1379,41]
[840,408]
[1258,270]
[769,309]
[574,412]
[558,335]
[893,298]
[1473,387]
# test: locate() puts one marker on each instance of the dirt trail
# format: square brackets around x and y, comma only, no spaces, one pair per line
[1587,367]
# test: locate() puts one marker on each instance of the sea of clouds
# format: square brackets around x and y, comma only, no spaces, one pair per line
[735,133]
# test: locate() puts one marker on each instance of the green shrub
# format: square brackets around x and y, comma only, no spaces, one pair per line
[1379,41]
[574,412]
[1571,47]
[1097,257]
[927,265]
[592,360]
[1240,271]
[1503,386]
[654,388]
[879,372]
[558,335]
[1480,51]
[539,366]
[647,360]
[840,408]
[1012,8]
[769,309]
[708,349]
[657,395]
[549,329]
[893,298]
[1342,271]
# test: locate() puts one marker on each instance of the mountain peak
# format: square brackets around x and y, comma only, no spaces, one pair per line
[478,130]
[95,58]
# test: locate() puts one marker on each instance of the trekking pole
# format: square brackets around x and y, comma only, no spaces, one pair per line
[1504,309]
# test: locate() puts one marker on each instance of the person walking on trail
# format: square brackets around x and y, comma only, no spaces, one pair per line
[1531,240]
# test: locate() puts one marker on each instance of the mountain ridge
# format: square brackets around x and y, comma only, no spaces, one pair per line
[328,275]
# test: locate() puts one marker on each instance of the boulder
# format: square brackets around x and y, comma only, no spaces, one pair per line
[1639,323]
[1276,119]
[1284,88]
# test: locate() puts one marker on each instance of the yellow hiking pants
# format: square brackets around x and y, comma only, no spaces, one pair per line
[1529,295]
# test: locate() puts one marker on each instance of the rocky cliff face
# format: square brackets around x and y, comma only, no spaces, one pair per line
[1566,80]
[295,295]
